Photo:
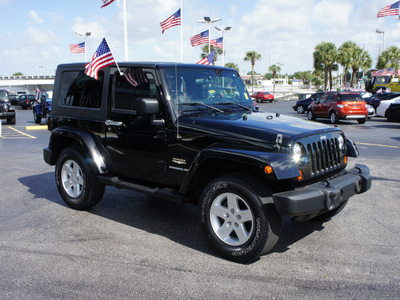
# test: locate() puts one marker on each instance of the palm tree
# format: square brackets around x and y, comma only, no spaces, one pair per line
[325,56]
[205,53]
[274,69]
[389,58]
[350,55]
[252,56]
[232,66]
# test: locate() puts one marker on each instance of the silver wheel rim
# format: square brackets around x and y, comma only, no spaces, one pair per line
[231,219]
[300,109]
[72,178]
[333,118]
[309,115]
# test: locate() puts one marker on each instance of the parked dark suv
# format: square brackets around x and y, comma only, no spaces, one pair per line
[190,133]
[7,111]
[339,106]
[302,105]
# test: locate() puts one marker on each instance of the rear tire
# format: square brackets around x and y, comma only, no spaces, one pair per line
[12,120]
[240,221]
[36,118]
[361,121]
[76,181]
[333,118]
[311,115]
[300,109]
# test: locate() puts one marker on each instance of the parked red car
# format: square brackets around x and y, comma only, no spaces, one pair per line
[263,96]
[339,106]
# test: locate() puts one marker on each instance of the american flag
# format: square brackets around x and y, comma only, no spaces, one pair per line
[207,60]
[389,10]
[101,58]
[217,42]
[107,2]
[173,20]
[77,48]
[198,39]
[135,76]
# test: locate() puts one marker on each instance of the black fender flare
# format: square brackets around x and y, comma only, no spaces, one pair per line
[89,142]
[281,163]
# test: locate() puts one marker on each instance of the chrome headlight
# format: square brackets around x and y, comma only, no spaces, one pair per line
[341,141]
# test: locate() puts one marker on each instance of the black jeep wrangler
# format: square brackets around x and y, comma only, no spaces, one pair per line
[191,133]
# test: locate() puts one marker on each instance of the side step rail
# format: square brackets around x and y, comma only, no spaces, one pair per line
[164,193]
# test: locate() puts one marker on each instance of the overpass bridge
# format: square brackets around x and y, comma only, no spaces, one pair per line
[26,83]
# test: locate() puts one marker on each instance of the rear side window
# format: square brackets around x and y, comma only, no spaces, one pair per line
[79,90]
[349,97]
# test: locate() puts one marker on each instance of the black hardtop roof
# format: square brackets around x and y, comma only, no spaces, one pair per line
[150,65]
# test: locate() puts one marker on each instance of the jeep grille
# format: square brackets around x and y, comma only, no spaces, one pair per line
[324,156]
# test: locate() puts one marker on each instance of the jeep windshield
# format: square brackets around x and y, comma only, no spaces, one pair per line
[212,89]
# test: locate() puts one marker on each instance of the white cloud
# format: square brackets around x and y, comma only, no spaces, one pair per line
[33,15]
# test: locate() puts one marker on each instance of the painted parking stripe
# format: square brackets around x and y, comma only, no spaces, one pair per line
[24,135]
[378,145]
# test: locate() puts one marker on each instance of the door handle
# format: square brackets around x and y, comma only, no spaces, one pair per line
[113,123]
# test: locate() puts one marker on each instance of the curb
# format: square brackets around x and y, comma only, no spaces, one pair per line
[38,127]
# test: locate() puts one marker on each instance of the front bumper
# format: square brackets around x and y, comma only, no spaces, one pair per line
[7,114]
[325,195]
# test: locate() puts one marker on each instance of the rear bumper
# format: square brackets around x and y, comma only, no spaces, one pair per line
[325,195]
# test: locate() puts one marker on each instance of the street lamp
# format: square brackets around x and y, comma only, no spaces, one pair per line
[87,34]
[223,42]
[207,20]
[378,30]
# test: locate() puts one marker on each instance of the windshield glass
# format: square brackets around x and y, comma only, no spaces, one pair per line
[196,88]
[3,95]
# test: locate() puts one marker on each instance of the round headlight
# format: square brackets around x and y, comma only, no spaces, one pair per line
[297,151]
[341,141]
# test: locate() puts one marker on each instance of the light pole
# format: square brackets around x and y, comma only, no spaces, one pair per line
[87,34]
[378,30]
[207,20]
[223,42]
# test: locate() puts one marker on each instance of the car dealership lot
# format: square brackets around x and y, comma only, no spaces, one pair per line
[135,246]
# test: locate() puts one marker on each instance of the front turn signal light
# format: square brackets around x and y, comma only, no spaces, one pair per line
[300,177]
[345,160]
[268,170]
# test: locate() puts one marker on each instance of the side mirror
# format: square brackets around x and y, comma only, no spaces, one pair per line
[147,106]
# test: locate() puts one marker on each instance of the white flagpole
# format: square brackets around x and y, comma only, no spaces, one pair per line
[125,32]
[181,32]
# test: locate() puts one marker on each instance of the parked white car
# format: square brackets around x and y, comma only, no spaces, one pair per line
[384,105]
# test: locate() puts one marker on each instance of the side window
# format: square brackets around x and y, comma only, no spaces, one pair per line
[323,99]
[79,90]
[331,98]
[133,84]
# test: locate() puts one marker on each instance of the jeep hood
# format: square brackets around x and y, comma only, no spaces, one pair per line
[253,127]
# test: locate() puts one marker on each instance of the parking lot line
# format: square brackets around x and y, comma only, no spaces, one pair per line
[7,135]
[378,145]
[36,127]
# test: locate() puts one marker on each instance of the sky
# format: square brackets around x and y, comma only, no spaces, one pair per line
[35,35]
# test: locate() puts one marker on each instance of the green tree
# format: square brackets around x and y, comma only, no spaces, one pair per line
[204,53]
[325,56]
[252,56]
[353,57]
[274,69]
[232,66]
[305,76]
[389,58]
[18,74]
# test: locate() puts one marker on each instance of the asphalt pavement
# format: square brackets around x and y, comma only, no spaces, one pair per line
[132,246]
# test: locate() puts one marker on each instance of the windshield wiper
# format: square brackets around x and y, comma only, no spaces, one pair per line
[233,103]
[203,104]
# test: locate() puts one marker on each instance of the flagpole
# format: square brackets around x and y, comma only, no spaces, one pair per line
[181,32]
[125,31]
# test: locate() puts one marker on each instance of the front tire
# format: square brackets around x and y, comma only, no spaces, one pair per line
[240,222]
[362,121]
[76,181]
